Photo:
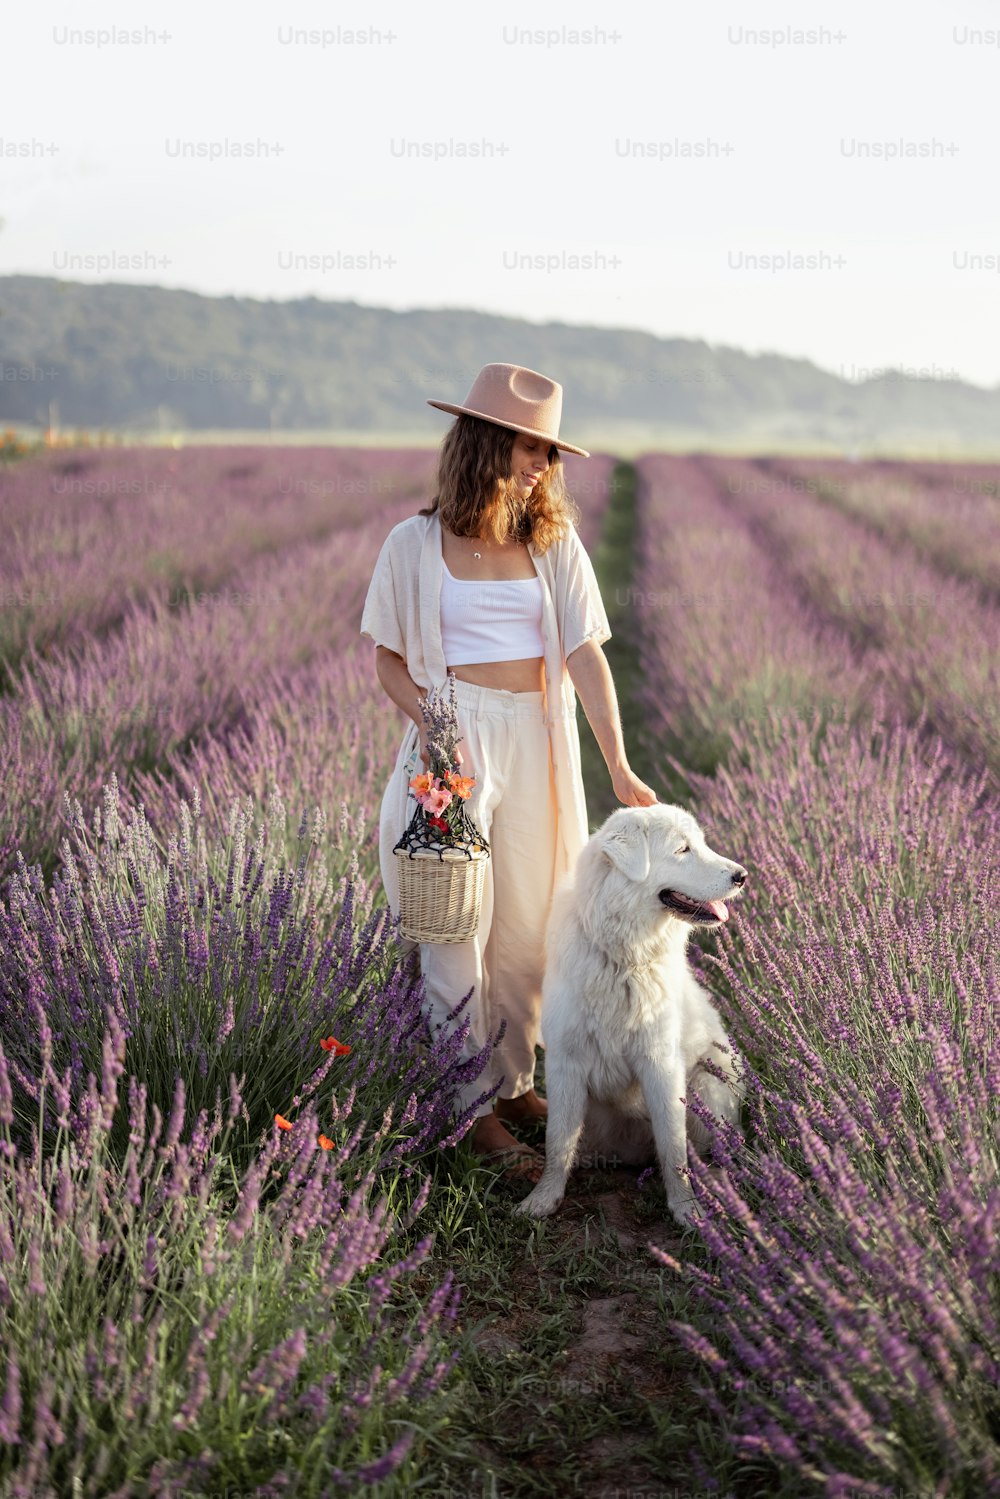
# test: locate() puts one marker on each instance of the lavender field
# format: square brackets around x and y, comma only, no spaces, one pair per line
[233,1250]
[831,645]
[193,747]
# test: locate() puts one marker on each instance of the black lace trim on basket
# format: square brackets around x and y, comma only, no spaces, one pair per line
[420,835]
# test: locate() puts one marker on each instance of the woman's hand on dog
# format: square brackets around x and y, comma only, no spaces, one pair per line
[630,790]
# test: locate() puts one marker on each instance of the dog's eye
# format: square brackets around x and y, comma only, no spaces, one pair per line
[685,850]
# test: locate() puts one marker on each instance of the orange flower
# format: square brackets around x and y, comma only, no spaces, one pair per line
[422,784]
[281,1122]
[325,1143]
[332,1044]
[460,785]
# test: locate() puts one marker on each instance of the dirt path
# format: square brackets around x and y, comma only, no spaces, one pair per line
[580,1387]
[597,1391]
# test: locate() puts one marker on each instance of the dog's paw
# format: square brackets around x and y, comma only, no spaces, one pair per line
[538,1204]
[683,1209]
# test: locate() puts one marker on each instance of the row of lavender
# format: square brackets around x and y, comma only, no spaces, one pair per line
[134,675]
[937,636]
[849,1321]
[207,1270]
[87,533]
[230,960]
[946,512]
[164,598]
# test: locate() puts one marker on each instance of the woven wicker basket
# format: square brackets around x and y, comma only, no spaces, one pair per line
[440,894]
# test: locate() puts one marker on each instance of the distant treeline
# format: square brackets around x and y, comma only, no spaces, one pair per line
[115,355]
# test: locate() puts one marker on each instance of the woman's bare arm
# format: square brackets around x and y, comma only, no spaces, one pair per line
[594,685]
[400,686]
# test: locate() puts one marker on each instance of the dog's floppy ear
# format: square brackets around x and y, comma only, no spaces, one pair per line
[627,846]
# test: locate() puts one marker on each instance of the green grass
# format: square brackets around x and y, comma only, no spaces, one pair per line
[542,1410]
[613,564]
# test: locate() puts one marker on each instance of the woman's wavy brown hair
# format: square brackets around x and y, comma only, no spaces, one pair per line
[478,496]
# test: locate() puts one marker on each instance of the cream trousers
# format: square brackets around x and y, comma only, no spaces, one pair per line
[505,746]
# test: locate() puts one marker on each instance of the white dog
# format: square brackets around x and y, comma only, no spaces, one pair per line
[625,1023]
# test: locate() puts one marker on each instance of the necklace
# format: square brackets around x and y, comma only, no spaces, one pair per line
[478,555]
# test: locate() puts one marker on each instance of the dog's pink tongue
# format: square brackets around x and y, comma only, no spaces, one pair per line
[720,908]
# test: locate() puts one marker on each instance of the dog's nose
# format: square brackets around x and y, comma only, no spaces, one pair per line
[739,876]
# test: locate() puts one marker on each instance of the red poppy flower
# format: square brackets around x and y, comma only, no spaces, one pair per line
[332,1044]
[281,1122]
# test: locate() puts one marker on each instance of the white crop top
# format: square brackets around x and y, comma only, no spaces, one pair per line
[496,619]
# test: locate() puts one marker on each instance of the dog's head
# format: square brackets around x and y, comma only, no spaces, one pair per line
[657,866]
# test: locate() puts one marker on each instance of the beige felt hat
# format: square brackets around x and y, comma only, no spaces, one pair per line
[515,397]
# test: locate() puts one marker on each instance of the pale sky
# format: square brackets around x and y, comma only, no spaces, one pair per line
[667,145]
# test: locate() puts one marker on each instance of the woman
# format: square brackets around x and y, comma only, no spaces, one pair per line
[492,583]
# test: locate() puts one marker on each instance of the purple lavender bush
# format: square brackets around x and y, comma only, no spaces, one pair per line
[845,1306]
[89,533]
[215,962]
[952,523]
[320,732]
[935,638]
[848,1320]
[724,639]
[165,1333]
[167,678]
[591,482]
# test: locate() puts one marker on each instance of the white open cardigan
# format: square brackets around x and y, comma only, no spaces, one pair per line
[403,611]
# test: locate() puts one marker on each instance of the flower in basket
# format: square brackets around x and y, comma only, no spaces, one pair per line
[442,791]
[460,785]
[436,798]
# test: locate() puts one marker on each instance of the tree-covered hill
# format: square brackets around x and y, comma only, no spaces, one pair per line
[129,356]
